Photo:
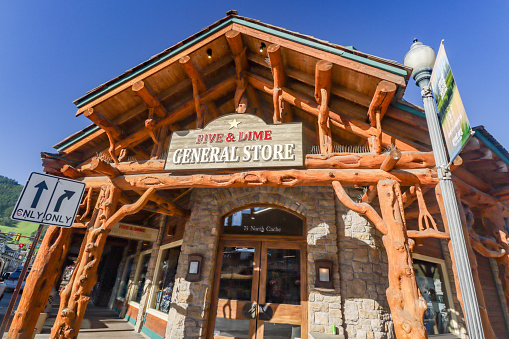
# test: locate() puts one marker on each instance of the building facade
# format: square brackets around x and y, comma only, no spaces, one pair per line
[252,182]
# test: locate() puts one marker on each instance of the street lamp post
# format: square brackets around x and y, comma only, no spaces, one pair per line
[421,58]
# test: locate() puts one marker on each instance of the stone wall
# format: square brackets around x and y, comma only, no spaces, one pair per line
[189,311]
[364,275]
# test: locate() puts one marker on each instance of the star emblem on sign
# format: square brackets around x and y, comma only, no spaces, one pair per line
[234,123]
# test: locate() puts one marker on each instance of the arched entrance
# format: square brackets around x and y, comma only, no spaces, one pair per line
[260,286]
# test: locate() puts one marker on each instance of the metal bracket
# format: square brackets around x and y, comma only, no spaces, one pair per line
[444,172]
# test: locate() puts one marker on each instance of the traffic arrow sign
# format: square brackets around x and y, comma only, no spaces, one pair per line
[49,200]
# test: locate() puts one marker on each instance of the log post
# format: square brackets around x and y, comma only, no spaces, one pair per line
[488,330]
[281,113]
[75,297]
[405,300]
[45,270]
[323,83]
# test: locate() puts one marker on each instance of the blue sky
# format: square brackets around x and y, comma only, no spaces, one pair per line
[53,52]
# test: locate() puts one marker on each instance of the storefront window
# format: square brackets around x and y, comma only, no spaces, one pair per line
[165,279]
[263,221]
[124,284]
[142,276]
[433,288]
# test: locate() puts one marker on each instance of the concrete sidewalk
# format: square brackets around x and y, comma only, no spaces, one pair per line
[99,322]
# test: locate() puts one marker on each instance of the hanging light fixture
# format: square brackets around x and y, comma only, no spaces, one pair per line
[209,53]
[262,47]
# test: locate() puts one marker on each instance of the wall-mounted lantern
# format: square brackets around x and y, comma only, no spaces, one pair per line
[324,273]
[194,268]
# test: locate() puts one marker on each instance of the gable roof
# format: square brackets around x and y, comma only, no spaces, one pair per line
[232,17]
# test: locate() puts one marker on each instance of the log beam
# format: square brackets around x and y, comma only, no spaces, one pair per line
[167,205]
[46,269]
[282,178]
[71,172]
[100,166]
[382,98]
[370,194]
[177,115]
[362,208]
[340,120]
[391,160]
[323,83]
[199,87]
[141,90]
[104,123]
[395,159]
[500,192]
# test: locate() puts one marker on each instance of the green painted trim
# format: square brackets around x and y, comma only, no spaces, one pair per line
[131,320]
[492,147]
[59,157]
[81,102]
[117,310]
[78,138]
[151,334]
[409,109]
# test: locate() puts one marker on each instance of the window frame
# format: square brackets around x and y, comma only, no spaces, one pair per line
[134,288]
[454,325]
[123,276]
[150,310]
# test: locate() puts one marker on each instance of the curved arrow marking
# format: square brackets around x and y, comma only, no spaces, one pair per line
[67,194]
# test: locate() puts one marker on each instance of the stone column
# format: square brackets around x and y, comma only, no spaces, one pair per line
[190,305]
[150,273]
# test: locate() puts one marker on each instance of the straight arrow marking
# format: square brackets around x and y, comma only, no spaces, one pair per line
[67,194]
[40,187]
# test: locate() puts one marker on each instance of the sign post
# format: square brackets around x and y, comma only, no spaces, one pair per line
[48,200]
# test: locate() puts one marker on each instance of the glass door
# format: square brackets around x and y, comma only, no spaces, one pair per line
[259,291]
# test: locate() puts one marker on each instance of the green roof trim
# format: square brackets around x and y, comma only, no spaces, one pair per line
[409,109]
[78,138]
[492,147]
[87,99]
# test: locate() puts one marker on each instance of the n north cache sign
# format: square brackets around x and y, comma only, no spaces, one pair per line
[49,200]
[236,141]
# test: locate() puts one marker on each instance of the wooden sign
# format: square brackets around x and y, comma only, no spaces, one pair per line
[135,232]
[236,141]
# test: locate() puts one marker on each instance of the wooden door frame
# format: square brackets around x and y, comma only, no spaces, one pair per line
[302,247]
[209,333]
[261,244]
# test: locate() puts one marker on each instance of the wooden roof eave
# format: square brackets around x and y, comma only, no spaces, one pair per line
[351,59]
